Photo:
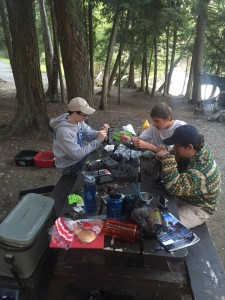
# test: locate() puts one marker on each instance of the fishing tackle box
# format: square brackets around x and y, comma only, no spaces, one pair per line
[24,235]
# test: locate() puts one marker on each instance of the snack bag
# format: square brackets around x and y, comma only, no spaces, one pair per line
[87,230]
[62,232]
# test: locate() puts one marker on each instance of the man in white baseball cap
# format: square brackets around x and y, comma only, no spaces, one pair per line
[74,139]
[79,104]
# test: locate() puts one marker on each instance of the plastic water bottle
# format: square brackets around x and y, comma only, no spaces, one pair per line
[89,193]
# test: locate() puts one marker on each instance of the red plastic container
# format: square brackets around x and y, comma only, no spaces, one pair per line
[44,159]
[128,232]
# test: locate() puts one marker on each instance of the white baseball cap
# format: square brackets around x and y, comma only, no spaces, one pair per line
[79,104]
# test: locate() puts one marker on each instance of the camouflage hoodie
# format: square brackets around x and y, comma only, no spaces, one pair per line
[196,181]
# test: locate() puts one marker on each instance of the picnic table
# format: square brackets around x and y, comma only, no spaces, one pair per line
[123,263]
[135,269]
[190,273]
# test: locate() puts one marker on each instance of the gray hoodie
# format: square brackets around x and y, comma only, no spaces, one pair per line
[70,141]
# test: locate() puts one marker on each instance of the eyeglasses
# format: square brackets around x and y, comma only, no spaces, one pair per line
[81,114]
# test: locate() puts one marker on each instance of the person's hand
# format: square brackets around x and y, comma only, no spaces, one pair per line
[124,138]
[102,135]
[161,154]
[105,127]
[161,147]
[140,144]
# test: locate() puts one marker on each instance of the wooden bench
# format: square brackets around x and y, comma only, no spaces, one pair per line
[205,269]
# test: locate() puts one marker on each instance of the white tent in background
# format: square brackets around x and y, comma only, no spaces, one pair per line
[209,91]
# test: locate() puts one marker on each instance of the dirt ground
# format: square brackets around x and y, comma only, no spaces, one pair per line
[134,109]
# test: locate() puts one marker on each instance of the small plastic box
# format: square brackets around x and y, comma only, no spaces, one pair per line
[25,158]
[44,159]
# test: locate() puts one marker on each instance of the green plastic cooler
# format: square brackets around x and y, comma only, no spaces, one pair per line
[24,235]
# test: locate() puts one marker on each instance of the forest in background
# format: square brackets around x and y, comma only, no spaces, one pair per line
[128,41]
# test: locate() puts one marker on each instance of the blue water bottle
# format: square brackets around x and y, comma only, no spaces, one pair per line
[89,193]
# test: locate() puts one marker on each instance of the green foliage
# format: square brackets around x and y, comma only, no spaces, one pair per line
[151,19]
[215,38]
[5,60]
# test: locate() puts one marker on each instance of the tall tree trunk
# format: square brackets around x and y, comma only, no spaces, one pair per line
[115,67]
[57,70]
[199,49]
[190,79]
[131,84]
[143,74]
[175,63]
[91,46]
[104,98]
[31,104]
[70,24]
[118,58]
[186,75]
[119,86]
[150,62]
[48,46]
[8,39]
[167,61]
[155,67]
[144,77]
[172,61]
[146,70]
[123,71]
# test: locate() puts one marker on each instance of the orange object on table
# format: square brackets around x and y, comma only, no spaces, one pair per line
[120,230]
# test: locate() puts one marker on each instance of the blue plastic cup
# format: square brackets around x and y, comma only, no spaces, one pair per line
[114,206]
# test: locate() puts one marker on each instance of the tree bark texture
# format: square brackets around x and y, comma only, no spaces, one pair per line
[199,51]
[172,60]
[48,46]
[167,60]
[155,67]
[120,52]
[70,24]
[131,84]
[31,104]
[7,34]
[188,93]
[57,70]
[104,99]
[123,71]
[143,74]
[91,44]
